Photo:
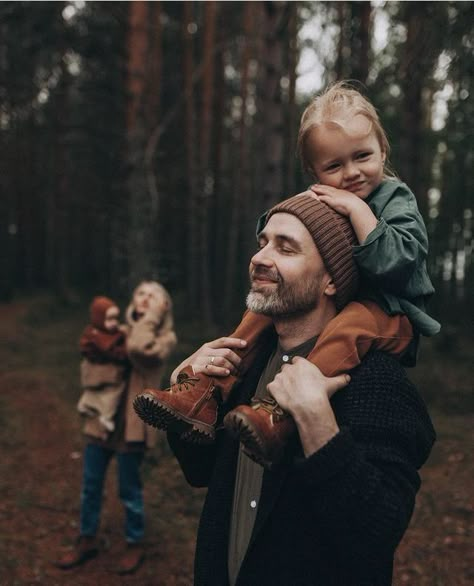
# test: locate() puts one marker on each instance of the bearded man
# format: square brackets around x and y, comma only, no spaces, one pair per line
[335,506]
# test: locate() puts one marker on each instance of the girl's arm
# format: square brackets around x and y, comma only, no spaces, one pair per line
[393,242]
[398,245]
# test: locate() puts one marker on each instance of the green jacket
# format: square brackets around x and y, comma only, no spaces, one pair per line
[392,260]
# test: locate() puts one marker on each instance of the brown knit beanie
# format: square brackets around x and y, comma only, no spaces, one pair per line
[334,238]
[98,309]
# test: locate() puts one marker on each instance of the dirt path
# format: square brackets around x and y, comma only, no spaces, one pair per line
[40,473]
[39,502]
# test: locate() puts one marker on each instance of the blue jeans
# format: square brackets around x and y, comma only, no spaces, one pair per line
[96,461]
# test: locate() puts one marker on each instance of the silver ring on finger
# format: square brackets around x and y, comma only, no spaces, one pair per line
[211,359]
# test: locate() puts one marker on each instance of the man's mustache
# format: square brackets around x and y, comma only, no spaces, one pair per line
[265,273]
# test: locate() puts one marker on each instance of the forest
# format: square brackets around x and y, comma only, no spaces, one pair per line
[143,139]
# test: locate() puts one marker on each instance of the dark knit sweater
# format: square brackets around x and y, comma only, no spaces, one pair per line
[336,517]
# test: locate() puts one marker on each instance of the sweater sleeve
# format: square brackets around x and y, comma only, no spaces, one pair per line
[398,245]
[196,461]
[364,480]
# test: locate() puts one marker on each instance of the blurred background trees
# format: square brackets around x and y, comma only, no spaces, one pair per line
[143,139]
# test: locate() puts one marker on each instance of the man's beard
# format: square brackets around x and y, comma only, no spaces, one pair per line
[285,299]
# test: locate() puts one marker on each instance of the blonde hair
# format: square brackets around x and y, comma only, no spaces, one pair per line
[159,291]
[339,98]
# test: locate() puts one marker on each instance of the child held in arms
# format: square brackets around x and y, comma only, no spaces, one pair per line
[104,364]
[343,146]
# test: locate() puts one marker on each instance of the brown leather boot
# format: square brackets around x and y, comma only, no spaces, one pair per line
[189,407]
[131,559]
[84,549]
[263,429]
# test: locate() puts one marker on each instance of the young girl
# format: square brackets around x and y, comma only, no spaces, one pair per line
[149,340]
[344,147]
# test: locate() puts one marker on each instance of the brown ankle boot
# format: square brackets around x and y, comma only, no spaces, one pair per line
[189,407]
[131,559]
[263,429]
[84,549]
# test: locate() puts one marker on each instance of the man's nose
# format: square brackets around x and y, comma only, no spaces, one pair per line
[261,257]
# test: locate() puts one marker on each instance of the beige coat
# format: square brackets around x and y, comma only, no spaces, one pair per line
[150,341]
[103,385]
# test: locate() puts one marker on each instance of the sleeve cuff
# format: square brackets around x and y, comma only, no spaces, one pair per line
[333,458]
[378,231]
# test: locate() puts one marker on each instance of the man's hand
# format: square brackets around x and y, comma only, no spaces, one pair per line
[301,389]
[214,358]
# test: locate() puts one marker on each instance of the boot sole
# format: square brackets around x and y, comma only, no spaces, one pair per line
[241,429]
[85,557]
[163,417]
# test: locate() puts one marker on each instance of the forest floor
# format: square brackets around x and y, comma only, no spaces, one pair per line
[40,471]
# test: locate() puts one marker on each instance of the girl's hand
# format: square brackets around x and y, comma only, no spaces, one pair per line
[340,200]
[347,204]
[215,358]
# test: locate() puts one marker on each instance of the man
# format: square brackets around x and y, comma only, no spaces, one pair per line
[334,508]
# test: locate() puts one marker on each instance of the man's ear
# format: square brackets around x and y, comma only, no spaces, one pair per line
[330,289]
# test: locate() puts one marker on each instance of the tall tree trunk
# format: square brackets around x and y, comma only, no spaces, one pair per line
[360,40]
[342,49]
[275,29]
[419,57]
[292,121]
[207,185]
[137,59]
[152,113]
[26,206]
[142,201]
[155,58]
[240,187]
[219,207]
[62,195]
[353,48]
[7,229]
[192,256]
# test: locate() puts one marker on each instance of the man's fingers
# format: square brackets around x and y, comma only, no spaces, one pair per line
[212,370]
[214,363]
[331,384]
[227,342]
[336,383]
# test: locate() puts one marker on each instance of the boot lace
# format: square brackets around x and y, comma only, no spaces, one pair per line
[271,406]
[184,382]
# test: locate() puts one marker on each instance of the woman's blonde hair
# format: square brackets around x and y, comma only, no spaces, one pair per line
[339,102]
[158,290]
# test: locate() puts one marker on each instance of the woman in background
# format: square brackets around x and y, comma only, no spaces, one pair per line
[150,339]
